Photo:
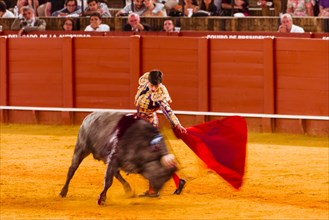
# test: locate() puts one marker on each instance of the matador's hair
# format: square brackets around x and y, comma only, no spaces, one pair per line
[155,77]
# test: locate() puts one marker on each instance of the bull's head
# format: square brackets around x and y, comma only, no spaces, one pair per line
[146,149]
[159,171]
[168,160]
[157,174]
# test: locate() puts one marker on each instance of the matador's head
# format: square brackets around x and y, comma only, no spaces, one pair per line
[155,77]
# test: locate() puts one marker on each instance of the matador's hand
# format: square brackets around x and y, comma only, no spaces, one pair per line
[181,128]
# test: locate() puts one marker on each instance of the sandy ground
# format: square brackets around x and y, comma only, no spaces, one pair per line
[280,183]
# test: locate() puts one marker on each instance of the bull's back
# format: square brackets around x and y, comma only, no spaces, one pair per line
[101,120]
[96,131]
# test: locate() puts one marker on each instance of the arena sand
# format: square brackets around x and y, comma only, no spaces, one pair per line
[281,182]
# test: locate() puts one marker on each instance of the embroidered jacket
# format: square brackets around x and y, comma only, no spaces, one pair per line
[148,103]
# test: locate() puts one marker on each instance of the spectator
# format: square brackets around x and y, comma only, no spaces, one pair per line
[18,8]
[300,7]
[53,5]
[40,7]
[83,3]
[149,11]
[134,24]
[168,4]
[240,8]
[189,5]
[96,6]
[71,9]
[287,25]
[4,12]
[168,26]
[21,3]
[69,24]
[209,6]
[95,21]
[266,5]
[324,8]
[138,7]
[218,3]
[29,22]
[35,5]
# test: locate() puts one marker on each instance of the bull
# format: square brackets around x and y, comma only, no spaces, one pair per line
[123,142]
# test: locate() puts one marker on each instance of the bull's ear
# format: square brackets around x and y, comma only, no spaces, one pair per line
[156,139]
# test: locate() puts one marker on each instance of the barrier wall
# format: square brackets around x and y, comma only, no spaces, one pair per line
[208,34]
[271,76]
[251,23]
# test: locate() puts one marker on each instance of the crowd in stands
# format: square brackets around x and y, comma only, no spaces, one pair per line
[29,13]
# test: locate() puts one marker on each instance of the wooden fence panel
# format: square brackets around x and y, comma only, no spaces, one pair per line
[35,72]
[3,78]
[302,82]
[237,75]
[302,76]
[102,72]
[178,58]
[35,76]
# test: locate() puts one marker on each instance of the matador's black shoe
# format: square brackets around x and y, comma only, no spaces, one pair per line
[180,187]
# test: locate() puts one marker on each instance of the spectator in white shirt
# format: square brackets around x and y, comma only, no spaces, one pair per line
[96,6]
[71,9]
[96,23]
[138,7]
[287,26]
[4,12]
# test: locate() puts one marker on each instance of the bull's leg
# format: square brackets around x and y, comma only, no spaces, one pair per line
[111,170]
[79,154]
[124,183]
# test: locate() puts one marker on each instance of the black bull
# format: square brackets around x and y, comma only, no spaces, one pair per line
[122,142]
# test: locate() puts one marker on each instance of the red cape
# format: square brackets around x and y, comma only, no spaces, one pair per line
[221,144]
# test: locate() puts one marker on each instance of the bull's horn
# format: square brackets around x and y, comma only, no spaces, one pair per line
[156,139]
[168,161]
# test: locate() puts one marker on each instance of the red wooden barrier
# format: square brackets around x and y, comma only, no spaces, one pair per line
[3,78]
[302,82]
[271,76]
[183,33]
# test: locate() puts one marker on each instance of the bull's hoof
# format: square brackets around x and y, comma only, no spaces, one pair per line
[150,195]
[63,193]
[127,189]
[180,187]
[101,201]
[130,194]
